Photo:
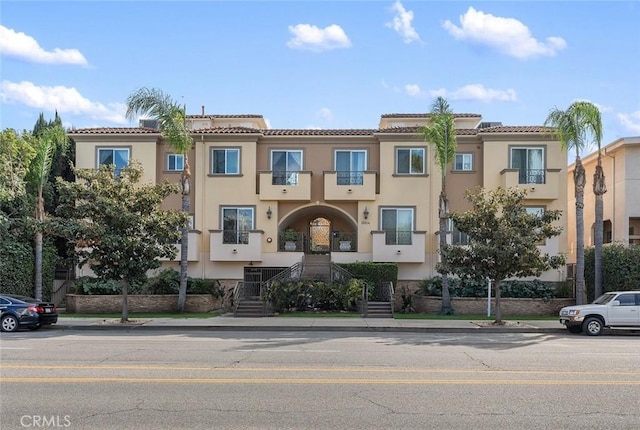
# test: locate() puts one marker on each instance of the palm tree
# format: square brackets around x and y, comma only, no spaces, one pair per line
[45,143]
[441,134]
[572,128]
[171,118]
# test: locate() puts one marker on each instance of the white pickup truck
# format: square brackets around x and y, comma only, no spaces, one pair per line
[618,310]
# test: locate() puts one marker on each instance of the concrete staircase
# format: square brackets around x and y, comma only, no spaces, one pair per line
[251,307]
[379,310]
[317,267]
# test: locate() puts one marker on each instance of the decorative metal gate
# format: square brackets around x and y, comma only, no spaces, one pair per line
[319,236]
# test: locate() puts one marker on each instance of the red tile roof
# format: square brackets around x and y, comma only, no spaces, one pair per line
[224,116]
[427,115]
[115,130]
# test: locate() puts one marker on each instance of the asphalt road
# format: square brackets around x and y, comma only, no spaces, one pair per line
[317,380]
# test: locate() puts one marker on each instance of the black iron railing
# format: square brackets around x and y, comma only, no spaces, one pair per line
[350,178]
[285,178]
[531,176]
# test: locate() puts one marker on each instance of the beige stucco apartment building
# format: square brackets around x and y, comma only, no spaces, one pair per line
[353,194]
[621,202]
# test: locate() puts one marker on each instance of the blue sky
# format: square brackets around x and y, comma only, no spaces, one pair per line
[321,64]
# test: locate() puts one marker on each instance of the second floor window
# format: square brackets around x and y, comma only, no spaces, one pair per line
[118,157]
[463,162]
[350,167]
[457,237]
[175,162]
[410,161]
[530,164]
[285,166]
[225,161]
[397,224]
[236,224]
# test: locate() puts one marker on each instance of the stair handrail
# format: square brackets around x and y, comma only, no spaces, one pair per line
[292,272]
[339,273]
[238,291]
[391,293]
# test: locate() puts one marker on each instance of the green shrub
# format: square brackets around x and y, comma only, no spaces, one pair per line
[620,268]
[87,285]
[516,289]
[301,295]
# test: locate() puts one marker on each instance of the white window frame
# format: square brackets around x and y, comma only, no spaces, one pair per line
[410,166]
[227,169]
[113,149]
[350,177]
[177,159]
[398,236]
[466,162]
[525,175]
[289,176]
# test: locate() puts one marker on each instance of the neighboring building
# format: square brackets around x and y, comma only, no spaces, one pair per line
[355,194]
[620,161]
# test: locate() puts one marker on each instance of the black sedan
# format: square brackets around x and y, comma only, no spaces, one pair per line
[21,311]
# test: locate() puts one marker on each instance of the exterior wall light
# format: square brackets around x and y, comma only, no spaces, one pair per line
[269,213]
[366,213]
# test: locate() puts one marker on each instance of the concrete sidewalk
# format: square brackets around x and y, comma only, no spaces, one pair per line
[229,323]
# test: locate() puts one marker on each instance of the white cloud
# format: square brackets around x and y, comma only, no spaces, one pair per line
[60,98]
[312,38]
[414,90]
[475,92]
[20,45]
[508,35]
[630,121]
[325,114]
[479,93]
[402,23]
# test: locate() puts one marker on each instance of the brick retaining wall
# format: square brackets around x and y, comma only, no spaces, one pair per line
[478,306]
[107,304]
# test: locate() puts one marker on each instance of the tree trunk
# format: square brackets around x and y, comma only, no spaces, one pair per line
[38,264]
[599,188]
[38,246]
[579,181]
[125,301]
[184,241]
[443,214]
[498,309]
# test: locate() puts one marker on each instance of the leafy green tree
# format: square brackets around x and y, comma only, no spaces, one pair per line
[116,225]
[503,240]
[172,125]
[45,145]
[441,134]
[573,128]
[16,155]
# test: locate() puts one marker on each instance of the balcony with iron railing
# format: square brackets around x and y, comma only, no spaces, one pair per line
[398,246]
[350,185]
[542,184]
[235,245]
[281,185]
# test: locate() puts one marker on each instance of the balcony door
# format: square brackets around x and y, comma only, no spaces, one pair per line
[285,166]
[530,163]
[350,167]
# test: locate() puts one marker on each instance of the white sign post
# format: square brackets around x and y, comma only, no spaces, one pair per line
[488,297]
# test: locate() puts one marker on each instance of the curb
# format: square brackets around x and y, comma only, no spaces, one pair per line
[142,327]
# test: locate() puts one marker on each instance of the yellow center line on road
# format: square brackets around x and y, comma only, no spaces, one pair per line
[313,369]
[310,381]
